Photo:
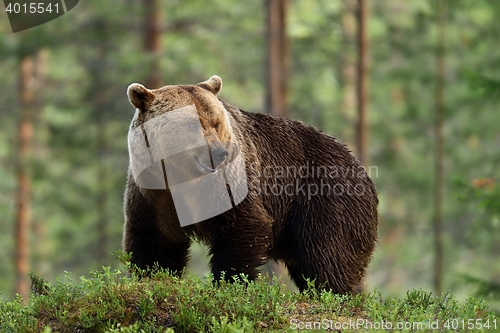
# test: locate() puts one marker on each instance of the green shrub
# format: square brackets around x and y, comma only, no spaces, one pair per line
[118,301]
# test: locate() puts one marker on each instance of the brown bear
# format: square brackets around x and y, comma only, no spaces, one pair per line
[304,199]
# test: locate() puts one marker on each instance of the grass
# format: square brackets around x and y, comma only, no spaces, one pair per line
[116,301]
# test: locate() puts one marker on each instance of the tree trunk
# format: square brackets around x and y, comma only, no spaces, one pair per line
[99,95]
[363,96]
[30,71]
[438,132]
[102,179]
[277,66]
[277,58]
[39,226]
[349,70]
[152,42]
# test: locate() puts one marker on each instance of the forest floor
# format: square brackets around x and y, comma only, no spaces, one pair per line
[119,301]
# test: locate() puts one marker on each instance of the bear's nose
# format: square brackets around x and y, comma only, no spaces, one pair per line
[219,154]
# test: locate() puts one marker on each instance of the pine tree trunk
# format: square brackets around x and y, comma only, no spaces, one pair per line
[277,58]
[99,95]
[102,179]
[363,95]
[39,239]
[152,42]
[277,64]
[349,70]
[23,197]
[439,156]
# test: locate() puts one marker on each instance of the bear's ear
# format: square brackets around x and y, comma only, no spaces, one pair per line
[214,84]
[139,96]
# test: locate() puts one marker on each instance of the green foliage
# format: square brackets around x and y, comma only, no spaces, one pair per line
[16,317]
[483,196]
[488,86]
[485,288]
[116,302]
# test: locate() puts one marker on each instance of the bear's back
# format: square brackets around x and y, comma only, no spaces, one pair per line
[298,155]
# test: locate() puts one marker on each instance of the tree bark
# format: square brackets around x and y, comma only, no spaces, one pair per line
[277,58]
[439,146]
[99,95]
[31,69]
[40,238]
[152,42]
[363,83]
[102,179]
[349,69]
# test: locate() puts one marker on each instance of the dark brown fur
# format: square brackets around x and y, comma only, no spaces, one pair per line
[329,238]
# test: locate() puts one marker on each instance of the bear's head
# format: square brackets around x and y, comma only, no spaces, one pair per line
[185,126]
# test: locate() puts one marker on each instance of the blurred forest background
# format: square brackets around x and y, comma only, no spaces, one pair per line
[430,79]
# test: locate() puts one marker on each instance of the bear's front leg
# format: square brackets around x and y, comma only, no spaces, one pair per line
[152,248]
[152,238]
[239,243]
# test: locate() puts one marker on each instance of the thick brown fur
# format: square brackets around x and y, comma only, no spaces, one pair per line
[326,238]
